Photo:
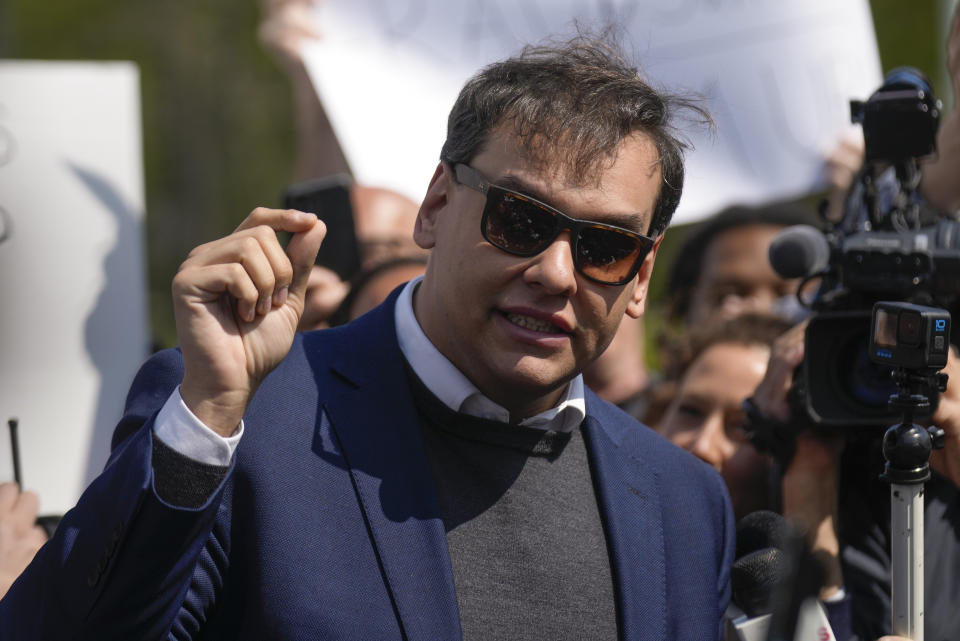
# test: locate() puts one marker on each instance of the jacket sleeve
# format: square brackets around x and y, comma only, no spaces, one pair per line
[122,560]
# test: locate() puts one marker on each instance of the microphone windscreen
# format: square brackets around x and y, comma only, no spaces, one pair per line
[755,576]
[762,529]
[799,251]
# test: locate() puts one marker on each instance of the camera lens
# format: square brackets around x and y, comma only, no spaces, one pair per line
[843,386]
[868,384]
[908,328]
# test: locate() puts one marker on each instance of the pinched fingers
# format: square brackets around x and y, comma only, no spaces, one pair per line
[250,264]
[308,234]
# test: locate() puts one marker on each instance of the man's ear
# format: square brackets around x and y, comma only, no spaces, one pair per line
[638,301]
[425,229]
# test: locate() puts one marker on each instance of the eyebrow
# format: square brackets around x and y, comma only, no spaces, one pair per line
[624,221]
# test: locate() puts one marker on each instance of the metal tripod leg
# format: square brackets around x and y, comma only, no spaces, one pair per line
[906,530]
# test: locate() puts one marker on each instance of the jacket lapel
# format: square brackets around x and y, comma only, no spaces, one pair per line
[629,502]
[377,425]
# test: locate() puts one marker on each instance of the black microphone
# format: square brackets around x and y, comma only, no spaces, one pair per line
[799,251]
[764,578]
[761,563]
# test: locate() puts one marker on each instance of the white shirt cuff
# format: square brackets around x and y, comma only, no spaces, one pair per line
[183,432]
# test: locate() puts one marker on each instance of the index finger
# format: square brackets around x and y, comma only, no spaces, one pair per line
[289,220]
[308,233]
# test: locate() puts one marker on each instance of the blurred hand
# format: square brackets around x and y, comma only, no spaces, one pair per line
[843,161]
[786,355]
[237,303]
[284,27]
[325,292]
[810,482]
[20,538]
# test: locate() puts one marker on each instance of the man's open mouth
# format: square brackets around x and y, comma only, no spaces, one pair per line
[535,324]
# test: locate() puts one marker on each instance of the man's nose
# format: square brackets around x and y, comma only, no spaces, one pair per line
[553,268]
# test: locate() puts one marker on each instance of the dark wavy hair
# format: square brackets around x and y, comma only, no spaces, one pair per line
[574,103]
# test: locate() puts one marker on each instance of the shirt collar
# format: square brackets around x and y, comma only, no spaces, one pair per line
[456,391]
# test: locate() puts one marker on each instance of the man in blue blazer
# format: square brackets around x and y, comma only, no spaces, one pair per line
[436,469]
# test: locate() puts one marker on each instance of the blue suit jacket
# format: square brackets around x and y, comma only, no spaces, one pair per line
[327,525]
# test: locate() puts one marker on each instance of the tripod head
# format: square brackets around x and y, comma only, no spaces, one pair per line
[907,446]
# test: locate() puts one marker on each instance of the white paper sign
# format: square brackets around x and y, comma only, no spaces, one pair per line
[777,76]
[73,321]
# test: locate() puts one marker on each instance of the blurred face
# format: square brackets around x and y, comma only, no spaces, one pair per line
[384,222]
[521,327]
[705,418]
[737,277]
[379,287]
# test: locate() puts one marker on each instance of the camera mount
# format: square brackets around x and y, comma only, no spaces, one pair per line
[906,448]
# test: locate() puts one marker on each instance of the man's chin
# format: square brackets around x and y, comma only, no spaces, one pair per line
[532,378]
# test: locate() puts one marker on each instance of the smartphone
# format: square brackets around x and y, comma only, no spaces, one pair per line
[329,199]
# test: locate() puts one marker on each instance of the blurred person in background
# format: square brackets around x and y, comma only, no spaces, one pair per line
[372,286]
[845,500]
[383,218]
[723,364]
[722,268]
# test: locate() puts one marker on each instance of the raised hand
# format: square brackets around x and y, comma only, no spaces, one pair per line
[237,302]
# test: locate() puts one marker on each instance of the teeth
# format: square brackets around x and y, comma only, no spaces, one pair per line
[533,323]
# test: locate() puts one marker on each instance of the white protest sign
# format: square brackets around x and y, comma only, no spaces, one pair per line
[73,324]
[777,77]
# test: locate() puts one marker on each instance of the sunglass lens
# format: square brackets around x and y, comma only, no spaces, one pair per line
[517,225]
[607,255]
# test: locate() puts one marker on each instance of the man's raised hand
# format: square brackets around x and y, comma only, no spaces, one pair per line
[237,302]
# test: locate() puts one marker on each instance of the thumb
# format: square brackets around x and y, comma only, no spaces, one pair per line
[302,251]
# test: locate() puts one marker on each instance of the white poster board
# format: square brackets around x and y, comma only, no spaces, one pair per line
[73,324]
[777,77]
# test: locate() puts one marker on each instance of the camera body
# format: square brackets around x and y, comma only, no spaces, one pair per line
[900,119]
[888,247]
[912,337]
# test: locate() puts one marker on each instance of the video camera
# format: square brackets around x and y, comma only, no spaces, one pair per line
[888,246]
